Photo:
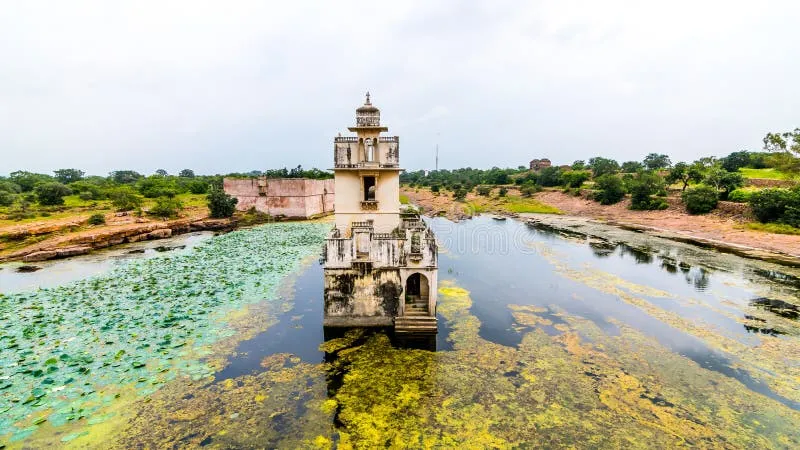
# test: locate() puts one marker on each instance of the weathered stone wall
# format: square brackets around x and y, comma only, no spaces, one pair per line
[360,296]
[289,197]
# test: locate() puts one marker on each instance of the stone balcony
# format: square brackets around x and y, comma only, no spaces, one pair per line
[410,245]
[369,205]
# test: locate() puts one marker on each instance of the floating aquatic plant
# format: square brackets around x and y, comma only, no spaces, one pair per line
[65,351]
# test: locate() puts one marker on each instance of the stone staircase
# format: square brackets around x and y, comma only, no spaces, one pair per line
[416,319]
[415,325]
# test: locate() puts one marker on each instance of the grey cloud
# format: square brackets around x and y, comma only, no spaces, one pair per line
[251,85]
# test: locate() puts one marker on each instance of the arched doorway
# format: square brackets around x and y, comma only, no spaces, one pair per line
[417,293]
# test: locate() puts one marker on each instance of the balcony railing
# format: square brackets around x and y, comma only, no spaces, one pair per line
[369,205]
[345,139]
[366,165]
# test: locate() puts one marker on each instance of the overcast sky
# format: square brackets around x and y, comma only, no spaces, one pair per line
[237,86]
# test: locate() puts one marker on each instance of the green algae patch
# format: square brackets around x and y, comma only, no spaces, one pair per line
[69,353]
[583,388]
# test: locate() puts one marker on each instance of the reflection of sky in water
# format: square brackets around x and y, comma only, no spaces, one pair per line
[500,264]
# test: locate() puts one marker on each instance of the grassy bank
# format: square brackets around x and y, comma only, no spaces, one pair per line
[768,174]
[75,207]
[779,228]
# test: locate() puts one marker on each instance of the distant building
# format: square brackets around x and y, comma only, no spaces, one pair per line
[296,198]
[539,164]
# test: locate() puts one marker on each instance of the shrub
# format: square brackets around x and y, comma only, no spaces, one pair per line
[724,181]
[166,207]
[198,187]
[700,199]
[459,193]
[574,178]
[221,204]
[529,188]
[792,215]
[739,196]
[769,205]
[483,190]
[97,192]
[157,186]
[642,188]
[97,219]
[435,188]
[51,193]
[609,189]
[6,198]
[125,199]
[85,195]
[549,176]
[503,192]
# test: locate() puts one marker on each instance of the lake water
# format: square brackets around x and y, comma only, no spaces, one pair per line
[547,338]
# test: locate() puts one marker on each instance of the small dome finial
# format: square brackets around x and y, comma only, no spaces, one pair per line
[367,102]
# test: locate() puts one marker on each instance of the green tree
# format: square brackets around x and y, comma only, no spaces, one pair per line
[198,186]
[9,186]
[736,160]
[549,176]
[7,198]
[125,198]
[186,173]
[655,161]
[27,181]
[157,186]
[786,147]
[125,176]
[632,166]
[601,166]
[609,189]
[574,178]
[700,199]
[685,174]
[642,188]
[221,204]
[579,165]
[723,180]
[166,207]
[67,176]
[769,205]
[51,193]
[161,173]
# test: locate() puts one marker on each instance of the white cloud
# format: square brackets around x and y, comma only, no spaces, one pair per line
[250,84]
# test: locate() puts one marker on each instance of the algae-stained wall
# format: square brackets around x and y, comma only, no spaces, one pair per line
[290,197]
[362,296]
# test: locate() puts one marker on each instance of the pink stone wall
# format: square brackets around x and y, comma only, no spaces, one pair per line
[290,197]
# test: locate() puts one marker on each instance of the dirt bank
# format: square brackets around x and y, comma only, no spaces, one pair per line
[40,242]
[721,227]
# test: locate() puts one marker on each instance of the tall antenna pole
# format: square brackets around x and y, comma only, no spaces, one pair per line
[437,151]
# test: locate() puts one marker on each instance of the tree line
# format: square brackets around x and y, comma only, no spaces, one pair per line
[126,189]
[702,182]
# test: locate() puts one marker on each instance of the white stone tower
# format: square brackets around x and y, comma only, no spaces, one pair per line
[380,263]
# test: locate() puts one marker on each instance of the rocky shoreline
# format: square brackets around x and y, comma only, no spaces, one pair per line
[592,228]
[85,242]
